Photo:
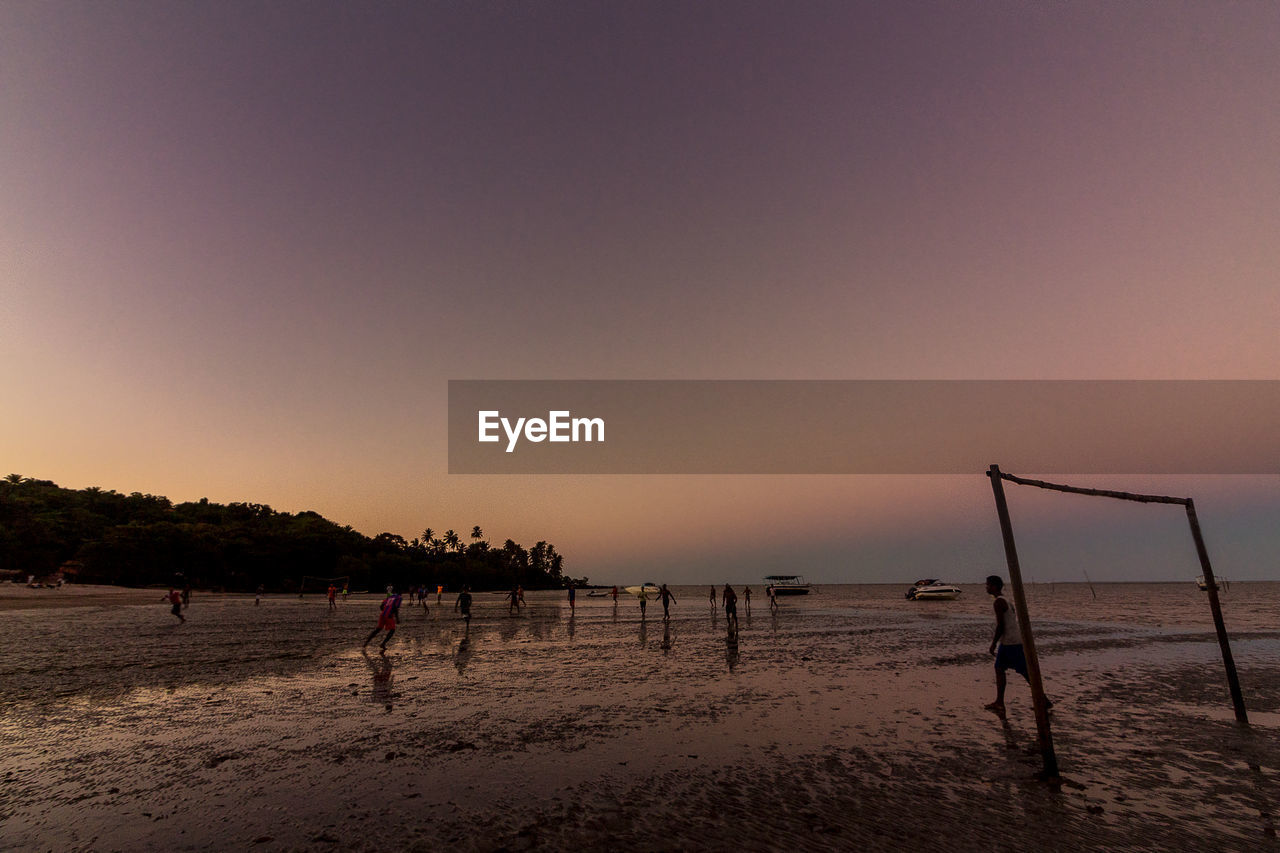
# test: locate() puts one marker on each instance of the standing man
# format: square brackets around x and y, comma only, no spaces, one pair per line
[667,598]
[333,597]
[713,597]
[773,599]
[730,600]
[463,605]
[573,594]
[746,595]
[1009,638]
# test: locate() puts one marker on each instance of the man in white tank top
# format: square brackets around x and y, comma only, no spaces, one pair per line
[1009,638]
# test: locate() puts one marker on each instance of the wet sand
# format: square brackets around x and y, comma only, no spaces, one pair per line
[852,720]
[21,597]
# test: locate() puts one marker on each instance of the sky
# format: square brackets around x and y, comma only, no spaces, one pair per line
[245,245]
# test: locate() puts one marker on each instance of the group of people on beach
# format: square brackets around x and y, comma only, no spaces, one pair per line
[1006,642]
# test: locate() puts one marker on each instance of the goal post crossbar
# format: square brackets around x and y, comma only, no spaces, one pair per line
[1202,552]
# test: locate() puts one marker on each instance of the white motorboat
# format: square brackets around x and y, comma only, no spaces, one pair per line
[932,589]
[788,584]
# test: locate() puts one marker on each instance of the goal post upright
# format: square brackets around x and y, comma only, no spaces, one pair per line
[1233,679]
[1024,625]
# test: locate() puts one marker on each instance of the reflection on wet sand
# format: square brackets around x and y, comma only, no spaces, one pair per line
[819,730]
[462,655]
[380,667]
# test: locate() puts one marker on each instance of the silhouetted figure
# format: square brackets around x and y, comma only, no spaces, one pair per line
[667,597]
[175,598]
[463,605]
[387,617]
[730,600]
[1009,637]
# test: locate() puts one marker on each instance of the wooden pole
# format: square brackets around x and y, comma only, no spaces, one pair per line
[1233,681]
[1024,624]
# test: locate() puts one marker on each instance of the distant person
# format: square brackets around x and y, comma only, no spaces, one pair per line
[713,598]
[573,593]
[175,598]
[667,597]
[344,591]
[615,594]
[257,599]
[514,605]
[386,618]
[333,597]
[730,600]
[463,605]
[520,592]
[439,592]
[773,599]
[644,602]
[1009,637]
[186,595]
[422,598]
[746,596]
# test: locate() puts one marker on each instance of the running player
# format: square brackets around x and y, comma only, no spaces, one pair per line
[386,618]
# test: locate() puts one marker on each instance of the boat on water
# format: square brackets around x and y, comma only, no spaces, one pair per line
[788,584]
[932,589]
[1204,585]
[647,589]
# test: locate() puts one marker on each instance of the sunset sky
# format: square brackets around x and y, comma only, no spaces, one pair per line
[245,245]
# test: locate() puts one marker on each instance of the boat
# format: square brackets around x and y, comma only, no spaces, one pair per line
[788,584]
[646,589]
[1204,586]
[932,589]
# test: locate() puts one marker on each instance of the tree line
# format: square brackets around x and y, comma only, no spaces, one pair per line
[102,536]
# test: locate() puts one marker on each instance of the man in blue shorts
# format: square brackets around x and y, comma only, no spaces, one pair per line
[1009,637]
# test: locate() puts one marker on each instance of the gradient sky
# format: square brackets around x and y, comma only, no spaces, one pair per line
[243,247]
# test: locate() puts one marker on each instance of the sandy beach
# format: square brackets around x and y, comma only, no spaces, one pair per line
[851,720]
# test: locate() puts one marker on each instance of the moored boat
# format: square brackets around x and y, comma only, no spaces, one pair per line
[932,589]
[788,584]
